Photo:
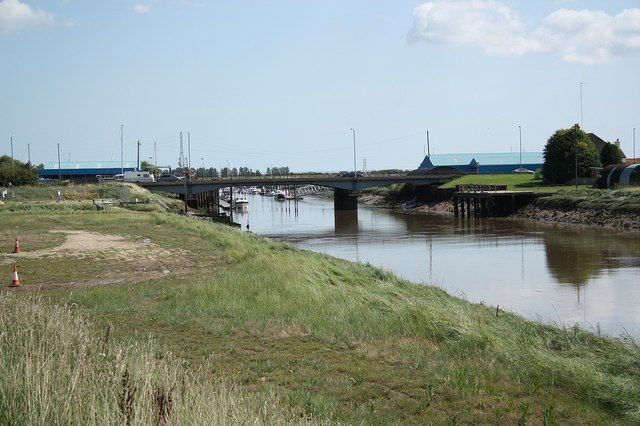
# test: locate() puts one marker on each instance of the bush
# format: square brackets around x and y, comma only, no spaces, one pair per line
[560,152]
[610,154]
[16,172]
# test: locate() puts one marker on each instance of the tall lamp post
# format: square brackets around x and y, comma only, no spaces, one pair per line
[520,134]
[13,163]
[581,117]
[355,171]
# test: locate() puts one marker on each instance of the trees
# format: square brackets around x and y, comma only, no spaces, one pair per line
[610,154]
[16,172]
[146,165]
[560,152]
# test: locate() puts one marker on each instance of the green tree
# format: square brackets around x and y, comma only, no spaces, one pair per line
[16,172]
[610,154]
[146,165]
[560,152]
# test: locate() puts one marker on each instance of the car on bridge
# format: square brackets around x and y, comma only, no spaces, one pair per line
[350,174]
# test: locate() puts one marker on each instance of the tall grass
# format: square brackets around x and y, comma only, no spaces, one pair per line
[603,200]
[55,369]
[268,287]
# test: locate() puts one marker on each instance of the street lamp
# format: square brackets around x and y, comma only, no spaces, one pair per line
[581,122]
[13,163]
[520,132]
[202,158]
[355,171]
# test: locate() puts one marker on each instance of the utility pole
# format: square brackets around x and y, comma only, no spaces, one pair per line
[180,162]
[520,132]
[155,154]
[576,162]
[138,158]
[189,152]
[122,148]
[355,166]
[29,154]
[59,165]
[13,163]
[202,167]
[634,142]
[428,147]
[581,121]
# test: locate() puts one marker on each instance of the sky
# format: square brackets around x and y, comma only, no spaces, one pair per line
[282,82]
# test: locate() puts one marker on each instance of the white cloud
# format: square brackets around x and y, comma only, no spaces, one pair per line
[583,36]
[142,8]
[16,16]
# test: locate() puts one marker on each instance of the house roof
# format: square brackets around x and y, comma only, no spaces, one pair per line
[598,142]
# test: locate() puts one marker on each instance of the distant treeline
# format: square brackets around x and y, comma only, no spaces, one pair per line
[213,172]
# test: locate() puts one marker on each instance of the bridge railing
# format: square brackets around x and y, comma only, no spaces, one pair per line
[480,188]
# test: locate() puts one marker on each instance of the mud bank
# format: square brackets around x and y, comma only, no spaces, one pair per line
[541,214]
[580,217]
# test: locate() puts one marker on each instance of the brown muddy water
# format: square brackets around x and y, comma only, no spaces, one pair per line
[554,274]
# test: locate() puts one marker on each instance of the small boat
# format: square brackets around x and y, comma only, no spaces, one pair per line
[253,190]
[240,203]
[280,196]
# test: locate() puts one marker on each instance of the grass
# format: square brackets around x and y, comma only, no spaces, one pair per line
[626,201]
[514,182]
[333,340]
[42,198]
[55,368]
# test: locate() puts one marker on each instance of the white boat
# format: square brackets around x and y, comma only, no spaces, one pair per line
[253,190]
[280,196]
[240,203]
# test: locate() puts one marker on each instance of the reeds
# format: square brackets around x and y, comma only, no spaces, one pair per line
[56,369]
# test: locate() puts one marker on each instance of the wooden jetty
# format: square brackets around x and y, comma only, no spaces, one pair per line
[488,200]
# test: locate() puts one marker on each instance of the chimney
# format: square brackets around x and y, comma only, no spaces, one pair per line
[618,143]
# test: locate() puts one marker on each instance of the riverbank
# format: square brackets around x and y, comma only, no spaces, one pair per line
[610,209]
[327,339]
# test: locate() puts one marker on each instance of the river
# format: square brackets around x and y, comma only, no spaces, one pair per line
[553,274]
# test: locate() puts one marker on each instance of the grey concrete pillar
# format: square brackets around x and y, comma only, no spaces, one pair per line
[344,199]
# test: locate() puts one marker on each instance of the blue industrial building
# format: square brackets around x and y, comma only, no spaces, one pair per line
[84,171]
[483,163]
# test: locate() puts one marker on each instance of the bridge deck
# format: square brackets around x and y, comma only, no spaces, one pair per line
[353,184]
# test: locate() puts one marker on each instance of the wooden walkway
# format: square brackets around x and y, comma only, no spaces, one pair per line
[488,200]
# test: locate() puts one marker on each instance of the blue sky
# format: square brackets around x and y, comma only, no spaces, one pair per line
[281,82]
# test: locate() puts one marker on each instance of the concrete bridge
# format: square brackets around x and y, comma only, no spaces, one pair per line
[345,188]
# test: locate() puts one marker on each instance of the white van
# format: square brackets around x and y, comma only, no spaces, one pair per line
[136,176]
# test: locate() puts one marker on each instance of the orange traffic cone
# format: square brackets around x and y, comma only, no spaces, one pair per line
[15,282]
[16,248]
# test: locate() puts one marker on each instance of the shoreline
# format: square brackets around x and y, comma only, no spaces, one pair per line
[273,319]
[605,220]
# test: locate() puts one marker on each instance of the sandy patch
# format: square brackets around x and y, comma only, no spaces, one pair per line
[82,243]
[131,261]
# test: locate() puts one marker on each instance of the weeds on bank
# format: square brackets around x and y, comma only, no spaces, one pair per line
[55,369]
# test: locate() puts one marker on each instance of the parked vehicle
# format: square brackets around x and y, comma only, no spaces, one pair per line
[135,176]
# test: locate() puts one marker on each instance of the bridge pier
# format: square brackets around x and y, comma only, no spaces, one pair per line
[344,200]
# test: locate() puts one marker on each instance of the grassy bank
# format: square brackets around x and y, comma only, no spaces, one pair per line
[331,339]
[514,182]
[56,368]
[601,200]
[74,197]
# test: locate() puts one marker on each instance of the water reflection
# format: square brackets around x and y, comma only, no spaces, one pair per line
[554,273]
[346,222]
[576,256]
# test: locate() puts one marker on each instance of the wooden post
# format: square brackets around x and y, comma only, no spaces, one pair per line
[455,206]
[469,206]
